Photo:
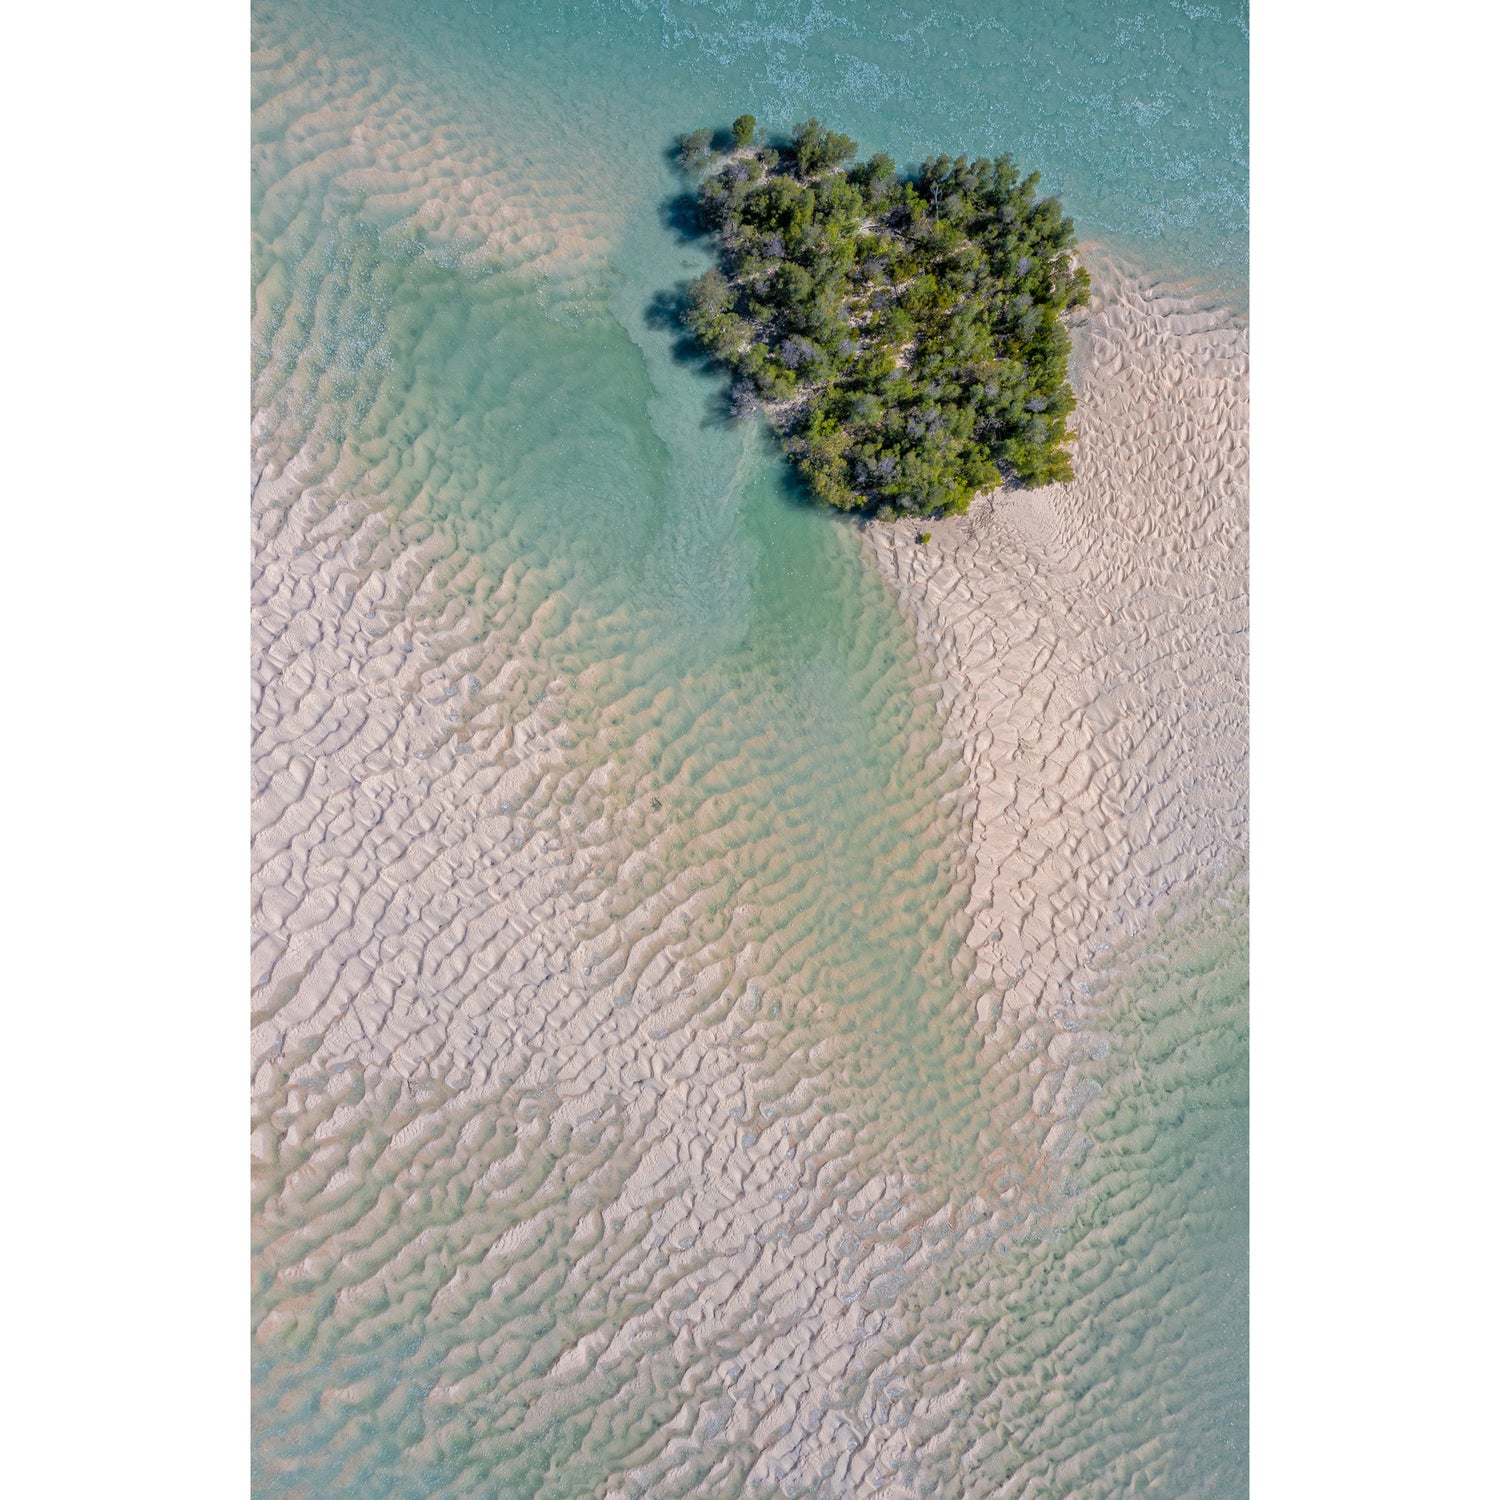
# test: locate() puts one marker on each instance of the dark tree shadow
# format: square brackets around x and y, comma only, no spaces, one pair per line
[666,311]
[724,408]
[679,214]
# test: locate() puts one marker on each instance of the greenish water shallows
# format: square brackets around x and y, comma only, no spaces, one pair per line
[696,623]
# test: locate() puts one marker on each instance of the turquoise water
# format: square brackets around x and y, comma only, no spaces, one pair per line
[722,910]
[1137,114]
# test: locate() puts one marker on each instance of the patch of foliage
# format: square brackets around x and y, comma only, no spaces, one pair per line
[906,333]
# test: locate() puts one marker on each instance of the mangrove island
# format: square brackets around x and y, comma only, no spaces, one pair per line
[905,334]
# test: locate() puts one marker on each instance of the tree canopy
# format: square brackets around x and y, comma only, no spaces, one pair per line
[906,333]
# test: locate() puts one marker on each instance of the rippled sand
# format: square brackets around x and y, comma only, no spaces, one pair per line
[689,1059]
[545,1192]
[1092,639]
[347,130]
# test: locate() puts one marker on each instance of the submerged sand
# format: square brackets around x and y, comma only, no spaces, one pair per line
[575,1181]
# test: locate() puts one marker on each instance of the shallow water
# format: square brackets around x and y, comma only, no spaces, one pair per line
[623,1126]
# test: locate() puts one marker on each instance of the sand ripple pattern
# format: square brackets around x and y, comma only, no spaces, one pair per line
[1092,639]
[546,1181]
[564,1165]
[419,162]
[633,1111]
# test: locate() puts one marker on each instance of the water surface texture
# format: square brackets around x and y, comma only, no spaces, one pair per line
[630,1115]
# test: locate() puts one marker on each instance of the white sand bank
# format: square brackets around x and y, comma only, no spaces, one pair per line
[1091,640]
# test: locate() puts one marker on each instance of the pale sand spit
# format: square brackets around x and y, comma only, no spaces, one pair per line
[1091,640]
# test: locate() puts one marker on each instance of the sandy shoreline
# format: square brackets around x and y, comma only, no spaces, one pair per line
[1090,641]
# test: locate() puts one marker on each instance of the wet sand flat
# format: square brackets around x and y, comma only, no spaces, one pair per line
[649,1198]
[714,1032]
